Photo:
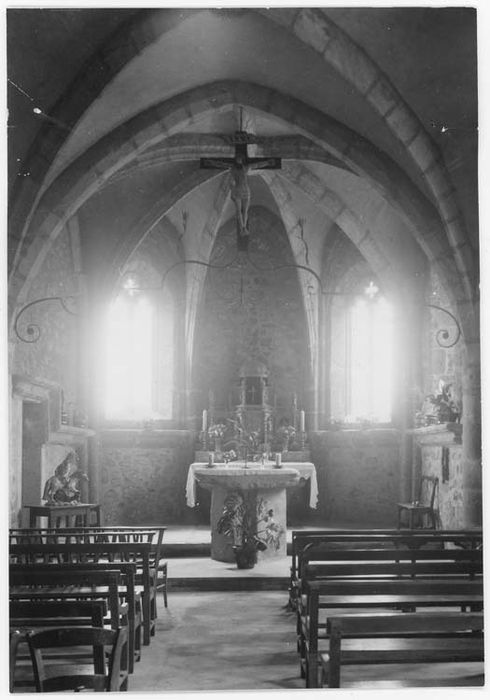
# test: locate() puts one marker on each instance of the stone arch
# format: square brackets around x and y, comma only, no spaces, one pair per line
[115,151]
[315,29]
[321,34]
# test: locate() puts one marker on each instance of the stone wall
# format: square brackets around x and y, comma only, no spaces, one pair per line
[442,361]
[449,497]
[142,476]
[52,361]
[358,476]
[441,455]
[55,356]
[252,311]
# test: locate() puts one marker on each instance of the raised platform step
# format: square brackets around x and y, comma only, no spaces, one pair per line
[199,550]
[240,583]
[206,574]
[187,549]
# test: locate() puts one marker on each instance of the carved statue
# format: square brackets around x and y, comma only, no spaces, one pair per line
[65,485]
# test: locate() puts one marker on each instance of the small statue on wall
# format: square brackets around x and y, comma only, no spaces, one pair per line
[66,483]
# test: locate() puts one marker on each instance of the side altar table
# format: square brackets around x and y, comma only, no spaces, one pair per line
[268,482]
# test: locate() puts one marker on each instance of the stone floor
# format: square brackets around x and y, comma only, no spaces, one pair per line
[245,640]
[229,630]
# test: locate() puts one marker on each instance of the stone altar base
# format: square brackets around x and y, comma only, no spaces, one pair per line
[266,482]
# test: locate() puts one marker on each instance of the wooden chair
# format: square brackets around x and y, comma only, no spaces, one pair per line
[103,674]
[423,506]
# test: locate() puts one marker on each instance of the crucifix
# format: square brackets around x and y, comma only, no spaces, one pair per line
[239,167]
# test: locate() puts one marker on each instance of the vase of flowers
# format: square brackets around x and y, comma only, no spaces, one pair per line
[216,432]
[285,434]
[249,522]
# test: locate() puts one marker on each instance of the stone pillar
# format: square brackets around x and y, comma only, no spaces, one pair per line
[471,418]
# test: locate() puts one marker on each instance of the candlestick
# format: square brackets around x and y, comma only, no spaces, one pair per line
[204,420]
[302,421]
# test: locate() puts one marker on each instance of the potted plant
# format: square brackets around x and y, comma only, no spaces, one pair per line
[250,523]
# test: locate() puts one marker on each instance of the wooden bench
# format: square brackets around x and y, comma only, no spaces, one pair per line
[74,584]
[390,563]
[111,552]
[27,615]
[85,535]
[27,583]
[304,541]
[128,592]
[321,596]
[407,638]
[65,670]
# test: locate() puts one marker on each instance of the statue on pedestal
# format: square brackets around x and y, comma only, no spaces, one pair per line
[66,483]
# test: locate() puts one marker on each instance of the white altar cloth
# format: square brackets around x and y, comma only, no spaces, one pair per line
[306,470]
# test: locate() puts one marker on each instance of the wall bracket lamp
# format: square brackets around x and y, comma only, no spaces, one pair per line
[32,332]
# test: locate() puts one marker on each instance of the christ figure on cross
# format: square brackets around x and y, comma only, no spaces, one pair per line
[239,167]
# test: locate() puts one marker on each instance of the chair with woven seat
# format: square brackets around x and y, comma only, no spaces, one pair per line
[64,672]
[422,509]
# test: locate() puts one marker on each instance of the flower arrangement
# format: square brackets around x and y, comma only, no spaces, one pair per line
[217,430]
[438,408]
[229,456]
[285,434]
[251,525]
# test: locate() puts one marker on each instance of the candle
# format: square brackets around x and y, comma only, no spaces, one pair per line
[278,459]
[302,421]
[211,459]
[204,421]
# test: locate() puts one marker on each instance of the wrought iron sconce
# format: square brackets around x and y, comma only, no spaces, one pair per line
[443,335]
[32,331]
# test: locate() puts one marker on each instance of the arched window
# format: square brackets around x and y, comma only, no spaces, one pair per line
[139,357]
[362,359]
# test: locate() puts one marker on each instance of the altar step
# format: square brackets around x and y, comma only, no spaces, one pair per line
[239,583]
[199,550]
[205,574]
[187,549]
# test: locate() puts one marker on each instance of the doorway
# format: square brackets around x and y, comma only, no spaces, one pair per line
[34,435]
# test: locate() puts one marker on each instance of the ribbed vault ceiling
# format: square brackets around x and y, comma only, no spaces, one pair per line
[108,125]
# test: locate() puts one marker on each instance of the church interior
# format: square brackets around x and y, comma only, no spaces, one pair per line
[243,258]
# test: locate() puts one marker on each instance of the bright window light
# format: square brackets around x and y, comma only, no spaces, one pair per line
[129,351]
[371,360]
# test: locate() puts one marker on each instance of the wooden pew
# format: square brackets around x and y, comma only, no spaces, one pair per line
[93,534]
[28,583]
[113,552]
[320,596]
[105,670]
[305,540]
[127,592]
[407,638]
[389,563]
[28,615]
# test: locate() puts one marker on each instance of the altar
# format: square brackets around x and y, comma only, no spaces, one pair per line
[266,484]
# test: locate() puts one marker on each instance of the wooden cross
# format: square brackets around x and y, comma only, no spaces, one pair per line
[239,167]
